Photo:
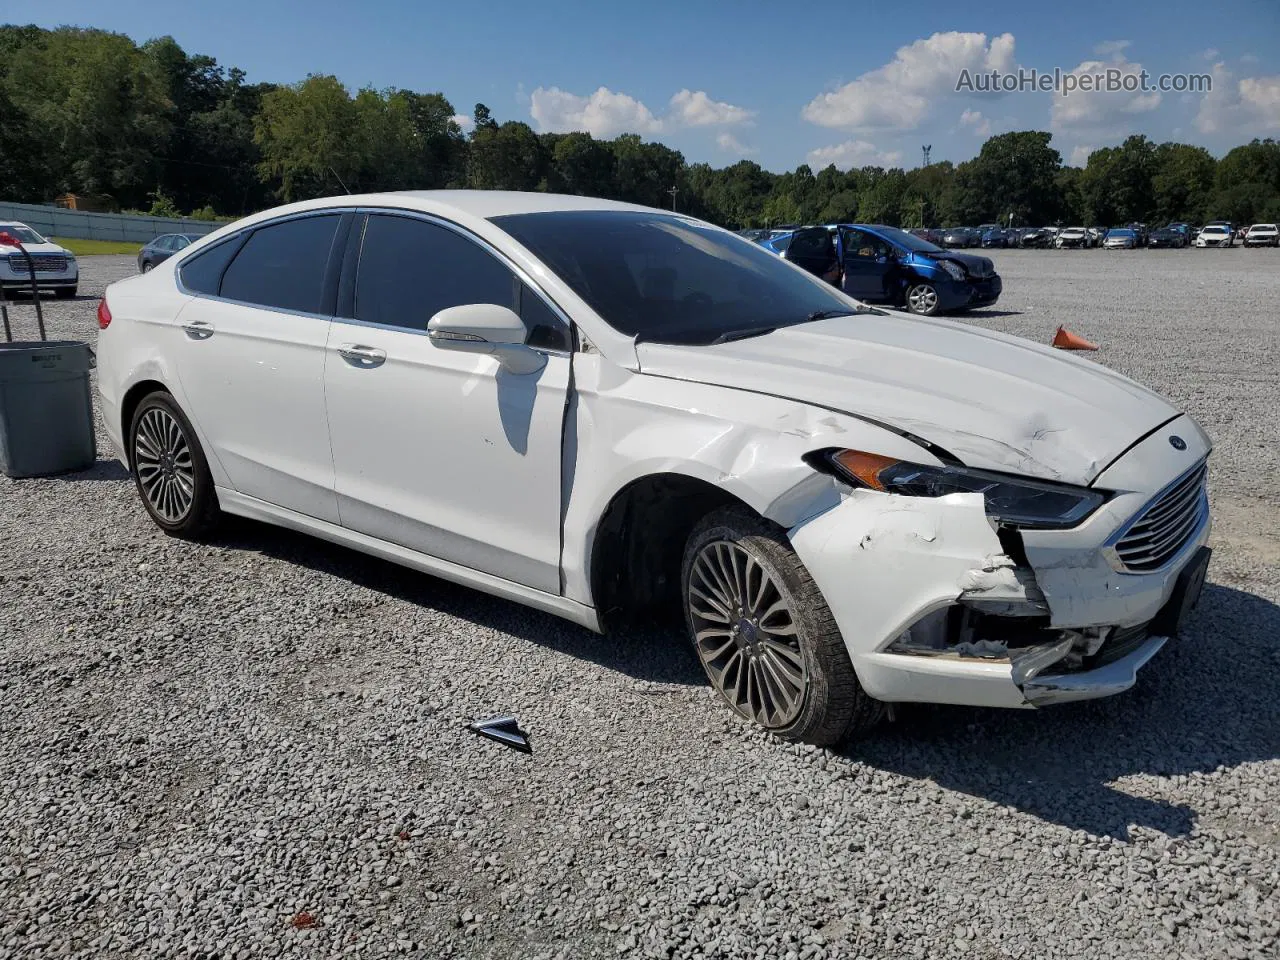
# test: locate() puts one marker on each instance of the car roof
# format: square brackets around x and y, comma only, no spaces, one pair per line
[480,203]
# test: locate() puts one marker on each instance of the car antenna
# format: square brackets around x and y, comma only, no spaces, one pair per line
[339,179]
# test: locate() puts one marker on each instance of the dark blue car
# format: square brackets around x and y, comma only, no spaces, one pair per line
[880,264]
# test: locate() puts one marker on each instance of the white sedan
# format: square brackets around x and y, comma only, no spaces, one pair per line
[1214,235]
[55,266]
[604,411]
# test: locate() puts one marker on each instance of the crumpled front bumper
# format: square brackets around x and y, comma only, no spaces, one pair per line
[933,607]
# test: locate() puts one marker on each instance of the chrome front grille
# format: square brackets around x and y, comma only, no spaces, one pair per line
[1164,526]
[44,262]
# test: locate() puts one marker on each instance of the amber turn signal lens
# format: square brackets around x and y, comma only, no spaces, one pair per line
[865,467]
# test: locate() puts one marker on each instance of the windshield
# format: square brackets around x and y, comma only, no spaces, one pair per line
[663,278]
[1122,233]
[908,240]
[23,234]
[1215,230]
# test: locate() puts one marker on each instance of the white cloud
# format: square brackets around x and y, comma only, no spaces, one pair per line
[731,144]
[1249,105]
[973,118]
[1112,48]
[463,121]
[853,153]
[1211,54]
[899,95]
[696,109]
[1080,155]
[604,114]
[1249,58]
[1102,109]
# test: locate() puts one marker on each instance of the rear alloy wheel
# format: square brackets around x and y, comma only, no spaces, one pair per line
[170,469]
[146,266]
[922,298]
[766,638]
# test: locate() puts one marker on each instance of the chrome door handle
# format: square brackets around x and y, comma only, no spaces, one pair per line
[198,329]
[359,355]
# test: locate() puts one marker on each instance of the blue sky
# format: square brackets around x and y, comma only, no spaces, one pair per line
[780,83]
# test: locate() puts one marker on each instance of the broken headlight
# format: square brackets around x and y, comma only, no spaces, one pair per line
[954,270]
[1016,501]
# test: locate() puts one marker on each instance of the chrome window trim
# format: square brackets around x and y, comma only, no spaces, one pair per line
[1193,538]
[229,238]
[489,248]
[435,219]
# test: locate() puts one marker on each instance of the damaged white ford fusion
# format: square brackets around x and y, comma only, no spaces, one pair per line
[604,411]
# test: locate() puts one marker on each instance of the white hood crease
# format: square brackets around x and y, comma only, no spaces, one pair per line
[991,400]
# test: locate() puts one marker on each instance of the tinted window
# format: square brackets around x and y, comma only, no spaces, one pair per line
[811,243]
[179,242]
[282,266]
[410,270]
[162,243]
[202,273]
[665,278]
[545,328]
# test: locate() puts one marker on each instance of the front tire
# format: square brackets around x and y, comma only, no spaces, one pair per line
[922,299]
[170,469]
[765,635]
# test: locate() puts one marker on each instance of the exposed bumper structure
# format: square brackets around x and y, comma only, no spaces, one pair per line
[934,607]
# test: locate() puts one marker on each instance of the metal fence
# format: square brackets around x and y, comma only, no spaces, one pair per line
[78,225]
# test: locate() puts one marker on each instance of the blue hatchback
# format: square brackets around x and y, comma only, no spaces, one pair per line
[880,264]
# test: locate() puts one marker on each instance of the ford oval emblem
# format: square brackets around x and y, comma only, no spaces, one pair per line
[1177,443]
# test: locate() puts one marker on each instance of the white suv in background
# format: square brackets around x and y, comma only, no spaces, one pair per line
[55,266]
[1262,235]
[605,411]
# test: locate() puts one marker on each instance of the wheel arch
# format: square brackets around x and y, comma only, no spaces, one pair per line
[129,405]
[638,544]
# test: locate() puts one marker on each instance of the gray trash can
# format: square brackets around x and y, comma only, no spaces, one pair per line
[46,409]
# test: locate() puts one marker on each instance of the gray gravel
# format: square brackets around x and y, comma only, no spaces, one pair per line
[258,747]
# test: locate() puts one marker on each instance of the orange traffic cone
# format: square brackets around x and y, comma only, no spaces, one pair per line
[1064,339]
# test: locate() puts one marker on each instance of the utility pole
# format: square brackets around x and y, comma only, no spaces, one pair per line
[673,191]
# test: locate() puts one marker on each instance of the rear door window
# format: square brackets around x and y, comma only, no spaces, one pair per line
[282,266]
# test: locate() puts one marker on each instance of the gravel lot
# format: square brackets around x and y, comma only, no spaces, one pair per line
[258,747]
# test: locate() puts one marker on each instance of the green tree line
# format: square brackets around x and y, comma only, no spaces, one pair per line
[157,128]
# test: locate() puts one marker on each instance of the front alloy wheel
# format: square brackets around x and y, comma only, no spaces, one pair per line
[922,298]
[170,469]
[766,638]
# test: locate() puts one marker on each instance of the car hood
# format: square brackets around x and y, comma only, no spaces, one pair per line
[992,400]
[40,248]
[975,265]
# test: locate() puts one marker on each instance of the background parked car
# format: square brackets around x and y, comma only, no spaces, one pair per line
[1036,237]
[996,237]
[56,267]
[1214,235]
[1262,235]
[957,238]
[163,247]
[1166,237]
[1121,238]
[1228,228]
[1073,237]
[879,264]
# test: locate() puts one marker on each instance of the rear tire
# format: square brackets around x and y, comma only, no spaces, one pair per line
[170,470]
[765,635]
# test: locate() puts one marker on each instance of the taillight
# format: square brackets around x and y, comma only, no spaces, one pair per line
[104,314]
